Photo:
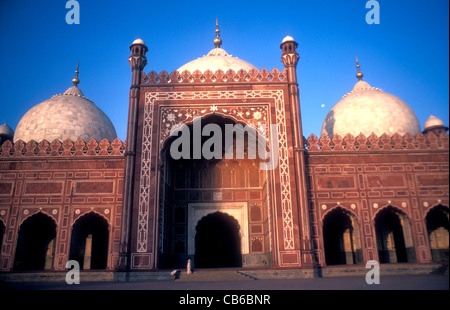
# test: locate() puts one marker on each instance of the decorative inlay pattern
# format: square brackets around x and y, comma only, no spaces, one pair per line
[250,114]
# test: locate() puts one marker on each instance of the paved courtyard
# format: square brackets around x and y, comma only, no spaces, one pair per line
[412,282]
[402,291]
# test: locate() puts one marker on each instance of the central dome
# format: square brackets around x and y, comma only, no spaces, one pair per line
[217,59]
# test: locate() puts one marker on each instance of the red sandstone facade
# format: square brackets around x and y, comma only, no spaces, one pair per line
[335,201]
[63,181]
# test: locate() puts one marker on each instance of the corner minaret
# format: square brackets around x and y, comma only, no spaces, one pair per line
[137,61]
[289,58]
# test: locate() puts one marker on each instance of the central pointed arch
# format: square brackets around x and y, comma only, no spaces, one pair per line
[194,187]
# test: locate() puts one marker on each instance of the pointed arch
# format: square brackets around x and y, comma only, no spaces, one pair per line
[394,236]
[218,241]
[437,223]
[36,243]
[222,119]
[43,211]
[90,241]
[342,238]
[93,211]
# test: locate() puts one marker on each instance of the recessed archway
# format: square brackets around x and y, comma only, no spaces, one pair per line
[193,187]
[438,233]
[394,237]
[341,237]
[217,242]
[89,243]
[36,243]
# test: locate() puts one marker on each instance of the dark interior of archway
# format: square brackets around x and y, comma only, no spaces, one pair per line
[221,122]
[437,221]
[334,226]
[35,235]
[95,225]
[437,217]
[217,242]
[189,180]
[388,222]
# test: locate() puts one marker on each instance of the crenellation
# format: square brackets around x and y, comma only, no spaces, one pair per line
[67,148]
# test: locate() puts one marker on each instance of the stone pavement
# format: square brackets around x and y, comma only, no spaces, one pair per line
[404,291]
[403,282]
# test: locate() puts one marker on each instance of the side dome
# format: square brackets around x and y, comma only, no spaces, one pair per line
[368,109]
[65,116]
[6,133]
[217,59]
[433,122]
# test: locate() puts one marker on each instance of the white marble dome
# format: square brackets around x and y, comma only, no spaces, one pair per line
[138,41]
[6,131]
[433,122]
[66,116]
[217,59]
[368,109]
[288,39]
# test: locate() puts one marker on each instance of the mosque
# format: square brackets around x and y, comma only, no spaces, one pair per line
[373,186]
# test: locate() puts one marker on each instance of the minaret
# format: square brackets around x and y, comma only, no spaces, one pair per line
[289,58]
[137,62]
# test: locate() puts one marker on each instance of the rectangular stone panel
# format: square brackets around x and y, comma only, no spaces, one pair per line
[6,188]
[385,181]
[97,187]
[42,188]
[432,180]
[335,182]
[290,258]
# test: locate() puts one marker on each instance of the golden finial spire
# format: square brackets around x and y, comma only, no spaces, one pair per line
[217,40]
[76,81]
[359,75]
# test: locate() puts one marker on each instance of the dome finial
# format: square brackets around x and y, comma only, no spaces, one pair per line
[76,81]
[217,40]
[359,75]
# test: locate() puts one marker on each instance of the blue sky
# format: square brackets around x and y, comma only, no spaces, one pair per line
[407,54]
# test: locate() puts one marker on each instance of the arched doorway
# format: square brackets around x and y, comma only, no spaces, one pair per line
[89,243]
[437,221]
[394,238]
[191,187]
[36,243]
[341,238]
[217,242]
